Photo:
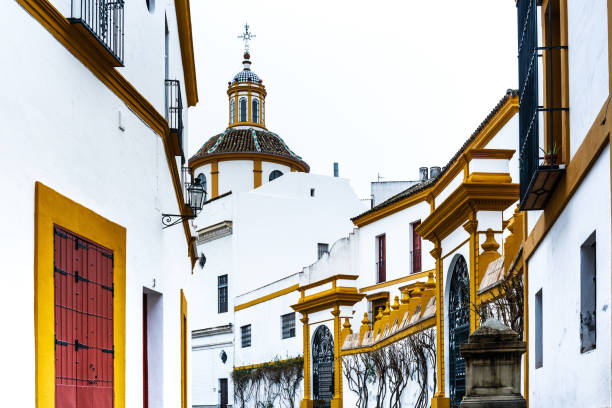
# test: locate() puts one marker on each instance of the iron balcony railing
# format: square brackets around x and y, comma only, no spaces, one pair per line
[174,111]
[104,19]
[539,168]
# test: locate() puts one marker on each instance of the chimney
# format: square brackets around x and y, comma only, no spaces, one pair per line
[435,171]
[423,171]
[336,171]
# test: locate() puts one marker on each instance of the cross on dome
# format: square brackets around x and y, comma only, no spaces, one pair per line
[246,37]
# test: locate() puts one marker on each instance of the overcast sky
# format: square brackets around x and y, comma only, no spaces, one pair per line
[382,87]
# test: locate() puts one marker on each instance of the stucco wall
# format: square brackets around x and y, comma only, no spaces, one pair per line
[69,140]
[555,268]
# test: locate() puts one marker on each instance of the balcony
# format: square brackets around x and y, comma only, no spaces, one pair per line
[100,24]
[540,157]
[174,116]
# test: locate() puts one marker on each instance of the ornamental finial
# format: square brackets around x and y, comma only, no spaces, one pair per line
[246,37]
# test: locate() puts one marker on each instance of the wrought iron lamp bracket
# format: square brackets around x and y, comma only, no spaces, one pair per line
[168,220]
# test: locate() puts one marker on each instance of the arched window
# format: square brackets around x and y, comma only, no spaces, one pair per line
[458,327]
[255,110]
[151,5]
[242,106]
[275,174]
[232,110]
[202,178]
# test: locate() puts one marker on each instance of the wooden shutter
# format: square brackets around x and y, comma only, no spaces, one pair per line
[416,248]
[84,351]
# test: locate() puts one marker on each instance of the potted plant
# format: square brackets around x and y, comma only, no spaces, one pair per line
[550,156]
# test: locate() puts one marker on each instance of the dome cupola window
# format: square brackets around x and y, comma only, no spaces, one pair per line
[275,174]
[232,110]
[255,110]
[242,109]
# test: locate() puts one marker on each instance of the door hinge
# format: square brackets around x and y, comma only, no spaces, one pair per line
[59,233]
[78,345]
[58,270]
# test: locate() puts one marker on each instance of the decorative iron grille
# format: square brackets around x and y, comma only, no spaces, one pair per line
[104,19]
[174,108]
[288,325]
[528,91]
[245,336]
[459,328]
[322,367]
[222,294]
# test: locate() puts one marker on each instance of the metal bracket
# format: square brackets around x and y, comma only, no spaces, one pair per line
[169,220]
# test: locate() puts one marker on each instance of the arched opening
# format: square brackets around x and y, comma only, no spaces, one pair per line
[232,110]
[242,109]
[202,179]
[275,174]
[322,366]
[255,110]
[458,328]
[150,5]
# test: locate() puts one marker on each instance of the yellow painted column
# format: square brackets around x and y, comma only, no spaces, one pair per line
[337,400]
[256,173]
[214,172]
[439,400]
[471,227]
[306,401]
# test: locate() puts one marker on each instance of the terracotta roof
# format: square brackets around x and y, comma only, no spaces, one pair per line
[510,93]
[247,141]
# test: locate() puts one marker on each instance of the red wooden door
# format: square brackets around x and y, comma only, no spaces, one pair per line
[382,271]
[84,352]
[416,248]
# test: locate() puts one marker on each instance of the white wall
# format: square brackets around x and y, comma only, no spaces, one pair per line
[269,167]
[588,65]
[69,140]
[555,268]
[235,176]
[206,353]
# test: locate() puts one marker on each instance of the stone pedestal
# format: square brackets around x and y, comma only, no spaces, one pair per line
[493,367]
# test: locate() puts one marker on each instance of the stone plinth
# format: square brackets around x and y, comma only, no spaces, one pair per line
[493,367]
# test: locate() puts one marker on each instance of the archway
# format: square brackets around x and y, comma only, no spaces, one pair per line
[322,367]
[458,328]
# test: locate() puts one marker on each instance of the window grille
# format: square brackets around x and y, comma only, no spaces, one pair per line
[322,249]
[245,336]
[83,319]
[222,294]
[174,113]
[288,325]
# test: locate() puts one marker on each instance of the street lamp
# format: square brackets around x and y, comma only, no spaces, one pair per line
[196,197]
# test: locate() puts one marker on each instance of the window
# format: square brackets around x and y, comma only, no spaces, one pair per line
[255,109]
[275,174]
[322,249]
[415,251]
[242,104]
[202,179]
[151,5]
[538,330]
[222,294]
[223,401]
[376,305]
[312,192]
[232,110]
[588,294]
[83,350]
[288,325]
[245,336]
[381,271]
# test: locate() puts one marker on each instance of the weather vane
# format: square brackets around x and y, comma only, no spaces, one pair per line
[246,37]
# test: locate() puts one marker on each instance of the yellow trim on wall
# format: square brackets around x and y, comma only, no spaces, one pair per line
[183,20]
[256,173]
[408,278]
[184,351]
[286,161]
[214,178]
[54,208]
[58,26]
[267,297]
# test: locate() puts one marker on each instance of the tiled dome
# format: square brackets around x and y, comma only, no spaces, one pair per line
[251,141]
[246,76]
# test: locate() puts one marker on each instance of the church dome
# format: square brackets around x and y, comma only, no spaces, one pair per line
[248,142]
[246,75]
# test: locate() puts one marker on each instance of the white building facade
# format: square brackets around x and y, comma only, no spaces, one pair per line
[92,159]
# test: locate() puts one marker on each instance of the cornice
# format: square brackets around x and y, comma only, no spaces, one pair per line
[393,208]
[328,299]
[466,199]
[183,19]
[287,161]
